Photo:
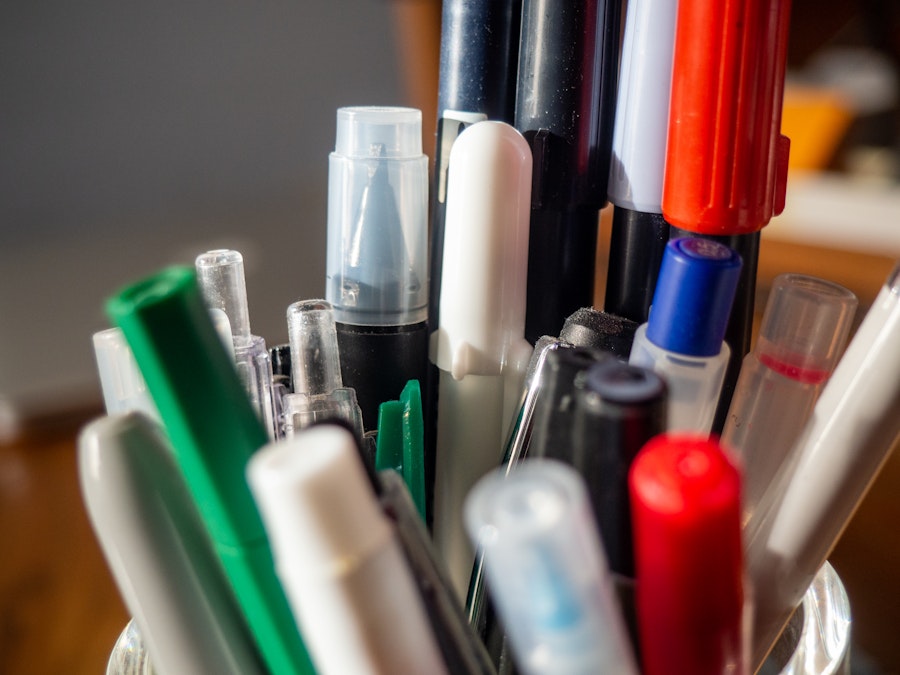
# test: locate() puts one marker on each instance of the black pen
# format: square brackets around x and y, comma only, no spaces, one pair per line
[565,103]
[377,247]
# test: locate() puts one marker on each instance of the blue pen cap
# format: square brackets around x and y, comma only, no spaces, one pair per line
[694,293]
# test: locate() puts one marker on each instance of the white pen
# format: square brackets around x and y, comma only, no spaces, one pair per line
[158,551]
[479,346]
[854,425]
[338,557]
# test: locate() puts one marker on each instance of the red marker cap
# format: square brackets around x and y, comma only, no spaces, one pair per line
[726,160]
[685,502]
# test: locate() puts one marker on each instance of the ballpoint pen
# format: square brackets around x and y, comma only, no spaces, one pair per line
[554,430]
[639,231]
[689,597]
[220,274]
[464,652]
[158,551]
[726,160]
[479,346]
[683,338]
[547,571]
[318,392]
[339,559]
[213,430]
[854,425]
[479,608]
[565,101]
[803,333]
[377,251]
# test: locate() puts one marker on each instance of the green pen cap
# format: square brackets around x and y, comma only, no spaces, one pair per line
[195,386]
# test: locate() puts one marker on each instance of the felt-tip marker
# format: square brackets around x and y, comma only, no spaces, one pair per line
[377,262]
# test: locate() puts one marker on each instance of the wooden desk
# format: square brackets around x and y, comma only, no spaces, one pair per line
[61,613]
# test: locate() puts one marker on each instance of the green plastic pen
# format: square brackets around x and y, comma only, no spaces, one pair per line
[214,431]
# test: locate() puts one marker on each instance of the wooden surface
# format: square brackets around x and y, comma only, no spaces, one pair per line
[61,613]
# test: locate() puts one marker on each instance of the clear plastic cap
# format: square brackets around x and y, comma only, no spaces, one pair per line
[220,275]
[123,386]
[378,218]
[546,570]
[315,363]
[805,326]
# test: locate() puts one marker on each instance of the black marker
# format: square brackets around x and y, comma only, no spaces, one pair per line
[565,103]
[376,266]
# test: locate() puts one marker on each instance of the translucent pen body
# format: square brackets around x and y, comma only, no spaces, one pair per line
[694,382]
[547,571]
[803,333]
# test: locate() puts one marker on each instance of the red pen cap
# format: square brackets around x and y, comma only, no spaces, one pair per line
[685,502]
[726,160]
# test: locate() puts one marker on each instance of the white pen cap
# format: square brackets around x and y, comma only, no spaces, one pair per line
[642,110]
[318,506]
[121,381]
[484,277]
[345,578]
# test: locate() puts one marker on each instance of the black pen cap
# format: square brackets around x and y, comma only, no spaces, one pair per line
[618,408]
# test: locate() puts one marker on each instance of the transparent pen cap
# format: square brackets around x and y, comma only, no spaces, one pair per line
[123,386]
[315,364]
[378,218]
[546,570]
[220,275]
[805,326]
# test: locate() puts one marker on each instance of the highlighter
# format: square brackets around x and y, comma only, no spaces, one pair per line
[214,430]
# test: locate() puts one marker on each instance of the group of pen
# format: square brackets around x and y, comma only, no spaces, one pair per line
[467,467]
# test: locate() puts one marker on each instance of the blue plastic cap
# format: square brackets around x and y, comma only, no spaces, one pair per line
[694,293]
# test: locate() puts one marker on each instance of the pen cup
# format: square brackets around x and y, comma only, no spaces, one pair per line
[816,640]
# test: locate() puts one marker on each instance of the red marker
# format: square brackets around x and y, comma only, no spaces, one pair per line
[685,502]
[726,160]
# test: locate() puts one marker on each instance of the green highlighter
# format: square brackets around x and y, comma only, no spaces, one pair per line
[214,431]
[400,444]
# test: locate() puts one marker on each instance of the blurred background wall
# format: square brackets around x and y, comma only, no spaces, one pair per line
[134,135]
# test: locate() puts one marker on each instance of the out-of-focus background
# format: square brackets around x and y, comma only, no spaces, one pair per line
[134,135]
